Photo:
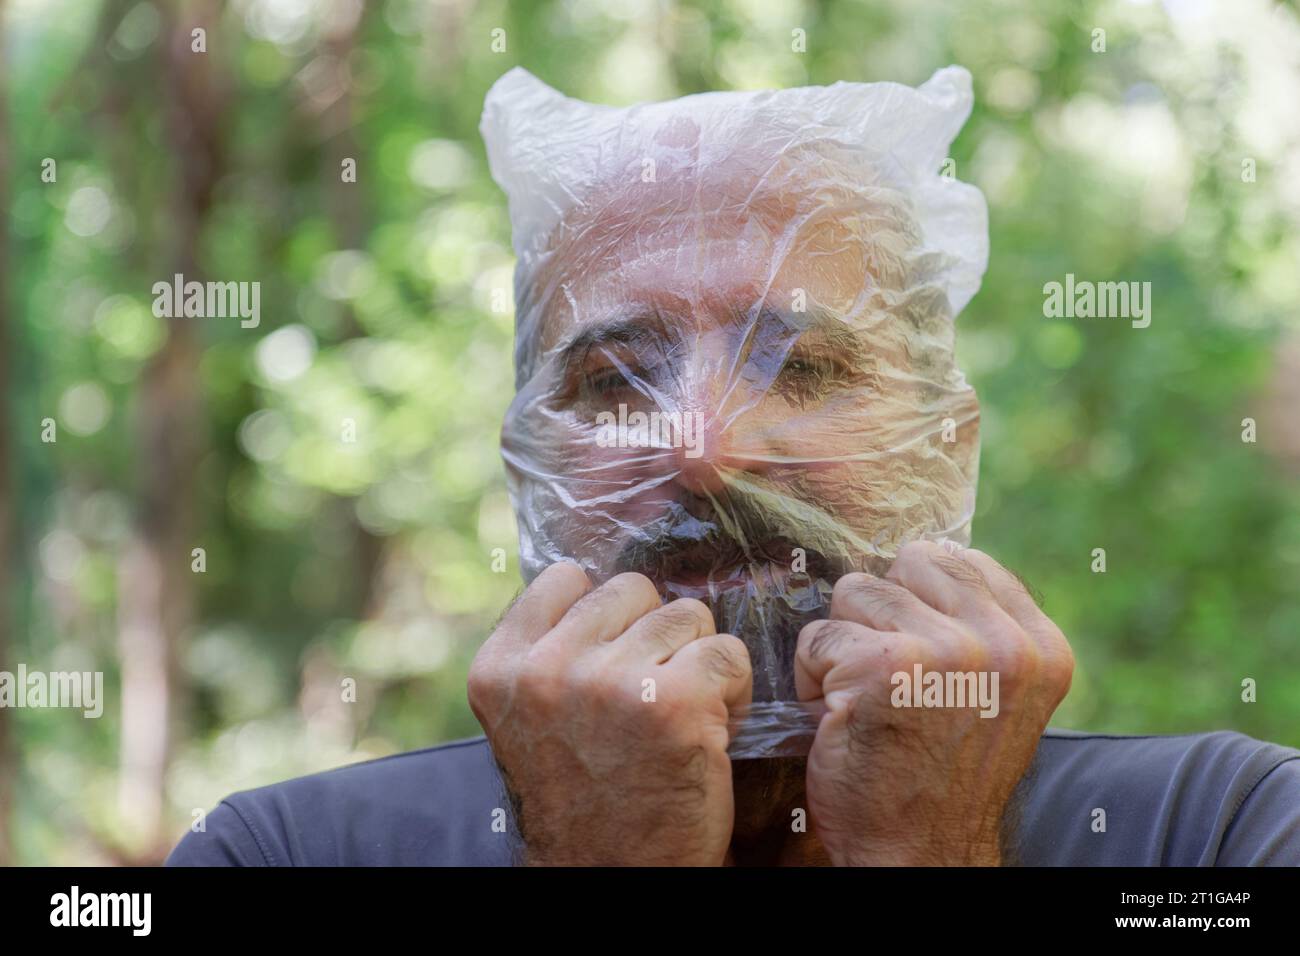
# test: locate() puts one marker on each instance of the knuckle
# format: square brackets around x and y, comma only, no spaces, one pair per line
[1059,665]
[976,555]
[888,604]
[870,591]
[857,582]
[1007,578]
[683,614]
[807,634]
[658,628]
[726,660]
[910,560]
[1016,655]
[695,612]
[821,639]
[636,586]
[484,686]
[563,569]
[962,649]
[599,684]
[543,685]
[735,647]
[962,571]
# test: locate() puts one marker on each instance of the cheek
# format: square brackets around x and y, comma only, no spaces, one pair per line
[890,494]
[617,488]
[816,433]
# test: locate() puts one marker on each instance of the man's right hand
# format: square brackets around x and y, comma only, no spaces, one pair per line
[604,767]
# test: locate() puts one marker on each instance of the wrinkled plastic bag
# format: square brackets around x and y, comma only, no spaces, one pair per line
[734,347]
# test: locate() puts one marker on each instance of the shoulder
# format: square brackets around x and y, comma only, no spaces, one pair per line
[1187,800]
[422,808]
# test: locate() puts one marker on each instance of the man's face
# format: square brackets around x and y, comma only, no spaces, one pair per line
[793,331]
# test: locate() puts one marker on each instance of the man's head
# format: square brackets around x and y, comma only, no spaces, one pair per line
[734,340]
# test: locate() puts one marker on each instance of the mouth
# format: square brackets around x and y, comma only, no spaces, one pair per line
[705,572]
[698,584]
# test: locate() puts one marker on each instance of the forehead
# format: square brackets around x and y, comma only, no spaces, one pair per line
[702,247]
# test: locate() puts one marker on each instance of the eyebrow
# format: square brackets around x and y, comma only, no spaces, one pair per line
[829,329]
[634,329]
[626,330]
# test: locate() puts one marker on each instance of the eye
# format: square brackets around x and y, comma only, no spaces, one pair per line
[808,372]
[806,368]
[806,377]
[606,380]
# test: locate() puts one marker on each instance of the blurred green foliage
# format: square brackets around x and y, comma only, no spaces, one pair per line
[372,559]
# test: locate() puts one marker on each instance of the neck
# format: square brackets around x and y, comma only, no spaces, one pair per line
[771,826]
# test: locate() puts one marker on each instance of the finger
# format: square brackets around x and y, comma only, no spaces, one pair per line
[1008,589]
[884,605]
[721,661]
[608,611]
[1015,599]
[665,630]
[822,646]
[941,577]
[542,605]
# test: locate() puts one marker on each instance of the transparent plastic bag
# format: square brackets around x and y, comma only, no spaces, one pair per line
[734,347]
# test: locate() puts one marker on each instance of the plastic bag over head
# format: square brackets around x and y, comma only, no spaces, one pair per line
[734,347]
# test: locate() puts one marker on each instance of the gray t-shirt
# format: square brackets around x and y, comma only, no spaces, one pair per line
[1194,800]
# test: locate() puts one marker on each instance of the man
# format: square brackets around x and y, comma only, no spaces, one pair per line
[743,462]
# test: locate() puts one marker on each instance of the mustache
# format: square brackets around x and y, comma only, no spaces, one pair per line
[720,534]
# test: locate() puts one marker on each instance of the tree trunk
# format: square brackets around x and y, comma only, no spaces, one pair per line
[156,584]
[8,532]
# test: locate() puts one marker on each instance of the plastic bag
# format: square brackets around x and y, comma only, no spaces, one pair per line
[734,347]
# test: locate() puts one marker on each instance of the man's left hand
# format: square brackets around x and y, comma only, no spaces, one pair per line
[916,785]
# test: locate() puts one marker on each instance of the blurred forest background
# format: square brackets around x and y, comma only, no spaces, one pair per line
[328,559]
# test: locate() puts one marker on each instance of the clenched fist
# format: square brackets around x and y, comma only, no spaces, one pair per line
[604,767]
[916,784]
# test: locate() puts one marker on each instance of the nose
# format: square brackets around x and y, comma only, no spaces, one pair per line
[700,460]
[716,443]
